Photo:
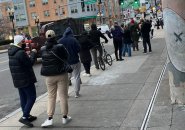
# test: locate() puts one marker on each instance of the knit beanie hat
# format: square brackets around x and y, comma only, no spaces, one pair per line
[18,39]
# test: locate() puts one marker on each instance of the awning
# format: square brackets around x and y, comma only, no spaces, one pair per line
[88,17]
[88,2]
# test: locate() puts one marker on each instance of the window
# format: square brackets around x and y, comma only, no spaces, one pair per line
[91,7]
[32,3]
[83,6]
[88,9]
[46,13]
[94,7]
[33,15]
[22,17]
[74,9]
[18,6]
[63,11]
[44,2]
[56,12]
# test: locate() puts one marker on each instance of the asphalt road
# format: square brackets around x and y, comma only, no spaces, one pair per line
[9,98]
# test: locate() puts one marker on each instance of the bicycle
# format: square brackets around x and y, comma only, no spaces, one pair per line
[106,58]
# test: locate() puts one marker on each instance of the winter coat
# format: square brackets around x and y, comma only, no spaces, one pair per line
[21,67]
[117,33]
[134,31]
[51,65]
[127,37]
[145,29]
[86,45]
[95,36]
[72,46]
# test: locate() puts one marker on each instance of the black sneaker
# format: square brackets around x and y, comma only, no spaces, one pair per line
[26,122]
[32,118]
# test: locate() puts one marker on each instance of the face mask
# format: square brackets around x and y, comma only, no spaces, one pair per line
[23,46]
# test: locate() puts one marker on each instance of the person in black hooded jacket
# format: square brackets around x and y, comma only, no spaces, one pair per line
[53,57]
[95,38]
[23,77]
[85,55]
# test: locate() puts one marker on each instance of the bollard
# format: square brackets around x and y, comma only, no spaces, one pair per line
[174,25]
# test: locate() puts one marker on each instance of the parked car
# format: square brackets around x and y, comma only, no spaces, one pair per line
[103,28]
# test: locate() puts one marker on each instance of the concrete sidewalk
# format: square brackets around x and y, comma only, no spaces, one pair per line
[114,99]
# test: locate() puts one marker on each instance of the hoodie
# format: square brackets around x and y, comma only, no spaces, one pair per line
[72,46]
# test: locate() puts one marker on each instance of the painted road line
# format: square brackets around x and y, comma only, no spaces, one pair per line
[152,101]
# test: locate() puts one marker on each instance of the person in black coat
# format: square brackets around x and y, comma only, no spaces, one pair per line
[145,31]
[53,57]
[23,77]
[95,38]
[85,55]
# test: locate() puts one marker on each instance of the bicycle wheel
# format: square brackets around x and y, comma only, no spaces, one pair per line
[109,59]
[101,64]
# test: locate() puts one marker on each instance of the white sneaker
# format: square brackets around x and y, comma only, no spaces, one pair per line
[66,120]
[47,123]
[89,75]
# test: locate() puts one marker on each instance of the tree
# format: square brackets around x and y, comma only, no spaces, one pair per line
[5,27]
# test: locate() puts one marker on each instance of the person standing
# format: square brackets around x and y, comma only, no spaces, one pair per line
[23,77]
[73,47]
[152,28]
[158,23]
[134,30]
[145,31]
[127,41]
[117,34]
[161,23]
[85,55]
[56,77]
[95,35]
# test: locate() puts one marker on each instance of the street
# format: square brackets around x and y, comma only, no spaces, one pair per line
[9,100]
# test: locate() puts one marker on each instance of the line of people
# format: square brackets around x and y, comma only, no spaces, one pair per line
[67,49]
[56,78]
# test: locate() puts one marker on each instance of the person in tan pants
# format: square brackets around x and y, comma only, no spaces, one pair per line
[53,57]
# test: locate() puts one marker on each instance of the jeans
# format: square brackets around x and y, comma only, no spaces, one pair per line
[127,48]
[27,99]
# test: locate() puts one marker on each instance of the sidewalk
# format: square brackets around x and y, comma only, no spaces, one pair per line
[114,99]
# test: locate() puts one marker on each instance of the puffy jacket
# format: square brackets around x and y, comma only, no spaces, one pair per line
[21,67]
[51,65]
[71,44]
